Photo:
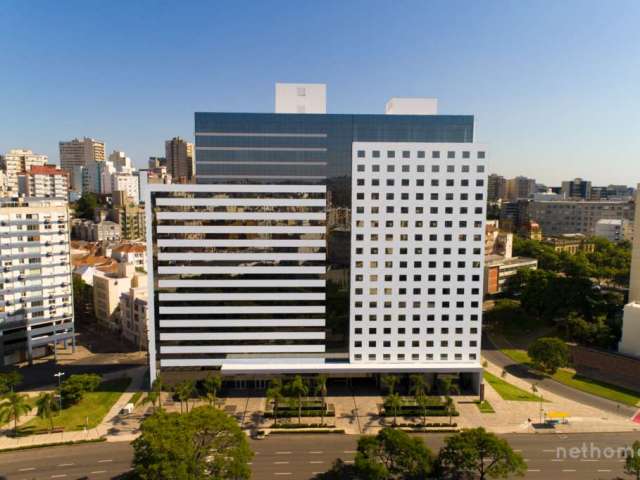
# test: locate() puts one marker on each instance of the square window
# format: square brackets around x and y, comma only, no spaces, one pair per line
[435,154]
[375,154]
[451,154]
[406,154]
[360,153]
[391,154]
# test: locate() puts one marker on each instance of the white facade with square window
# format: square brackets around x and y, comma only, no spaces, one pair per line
[417,252]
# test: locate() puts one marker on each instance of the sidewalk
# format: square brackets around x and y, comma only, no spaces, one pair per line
[113,426]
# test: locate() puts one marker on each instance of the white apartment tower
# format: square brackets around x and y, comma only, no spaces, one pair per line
[17,162]
[36,305]
[78,153]
[238,261]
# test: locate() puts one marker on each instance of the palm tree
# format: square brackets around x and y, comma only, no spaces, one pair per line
[184,390]
[211,385]
[321,389]
[418,384]
[389,382]
[394,401]
[423,402]
[449,405]
[13,407]
[46,405]
[297,388]
[274,393]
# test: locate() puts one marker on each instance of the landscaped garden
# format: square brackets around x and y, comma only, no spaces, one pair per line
[508,391]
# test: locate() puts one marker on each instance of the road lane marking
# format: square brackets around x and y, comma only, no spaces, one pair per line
[604,470]
[547,450]
[568,470]
[60,475]
[517,450]
[283,453]
[28,469]
[97,472]
[349,451]
[589,460]
[281,463]
[349,461]
[316,452]
[105,461]
[282,473]
[316,461]
[533,470]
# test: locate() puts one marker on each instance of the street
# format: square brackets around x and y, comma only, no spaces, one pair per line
[299,456]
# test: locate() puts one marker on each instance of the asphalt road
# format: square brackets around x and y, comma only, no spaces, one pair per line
[498,358]
[299,456]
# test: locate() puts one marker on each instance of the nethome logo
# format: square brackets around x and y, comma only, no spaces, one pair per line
[594,452]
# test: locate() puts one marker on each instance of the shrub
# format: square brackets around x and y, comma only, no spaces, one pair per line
[73,389]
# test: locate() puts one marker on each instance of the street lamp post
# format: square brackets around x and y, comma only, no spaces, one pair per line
[59,375]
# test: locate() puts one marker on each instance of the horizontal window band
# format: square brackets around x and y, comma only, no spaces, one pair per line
[246,323]
[244,243]
[230,283]
[238,229]
[279,335]
[242,202]
[231,162]
[243,309]
[259,177]
[256,134]
[266,256]
[241,216]
[240,188]
[242,349]
[202,297]
[260,270]
[261,149]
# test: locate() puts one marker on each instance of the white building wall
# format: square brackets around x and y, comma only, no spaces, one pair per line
[301,98]
[417,252]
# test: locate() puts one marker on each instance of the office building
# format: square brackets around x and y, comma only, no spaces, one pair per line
[520,188]
[577,189]
[238,261]
[45,181]
[630,340]
[614,230]
[571,243]
[179,155]
[36,306]
[496,188]
[157,162]
[566,217]
[17,162]
[79,153]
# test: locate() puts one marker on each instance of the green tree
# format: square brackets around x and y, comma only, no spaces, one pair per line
[446,386]
[86,206]
[419,384]
[203,444]
[423,403]
[184,390]
[9,381]
[298,389]
[46,405]
[449,406]
[154,395]
[73,388]
[478,453]
[549,353]
[632,462]
[211,385]
[82,299]
[13,407]
[321,389]
[394,402]
[392,454]
[389,382]
[274,394]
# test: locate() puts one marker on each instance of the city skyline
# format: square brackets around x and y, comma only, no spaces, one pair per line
[553,103]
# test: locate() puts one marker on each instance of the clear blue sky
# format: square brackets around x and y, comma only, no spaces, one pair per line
[554,85]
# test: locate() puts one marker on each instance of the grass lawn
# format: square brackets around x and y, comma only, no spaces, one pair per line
[508,391]
[484,406]
[94,406]
[517,355]
[596,387]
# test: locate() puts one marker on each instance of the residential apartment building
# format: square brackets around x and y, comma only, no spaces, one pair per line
[36,306]
[179,158]
[614,230]
[630,339]
[133,253]
[128,183]
[121,162]
[79,153]
[105,231]
[496,188]
[133,316]
[566,216]
[131,219]
[46,181]
[238,261]
[17,162]
[107,289]
[520,188]
[571,243]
